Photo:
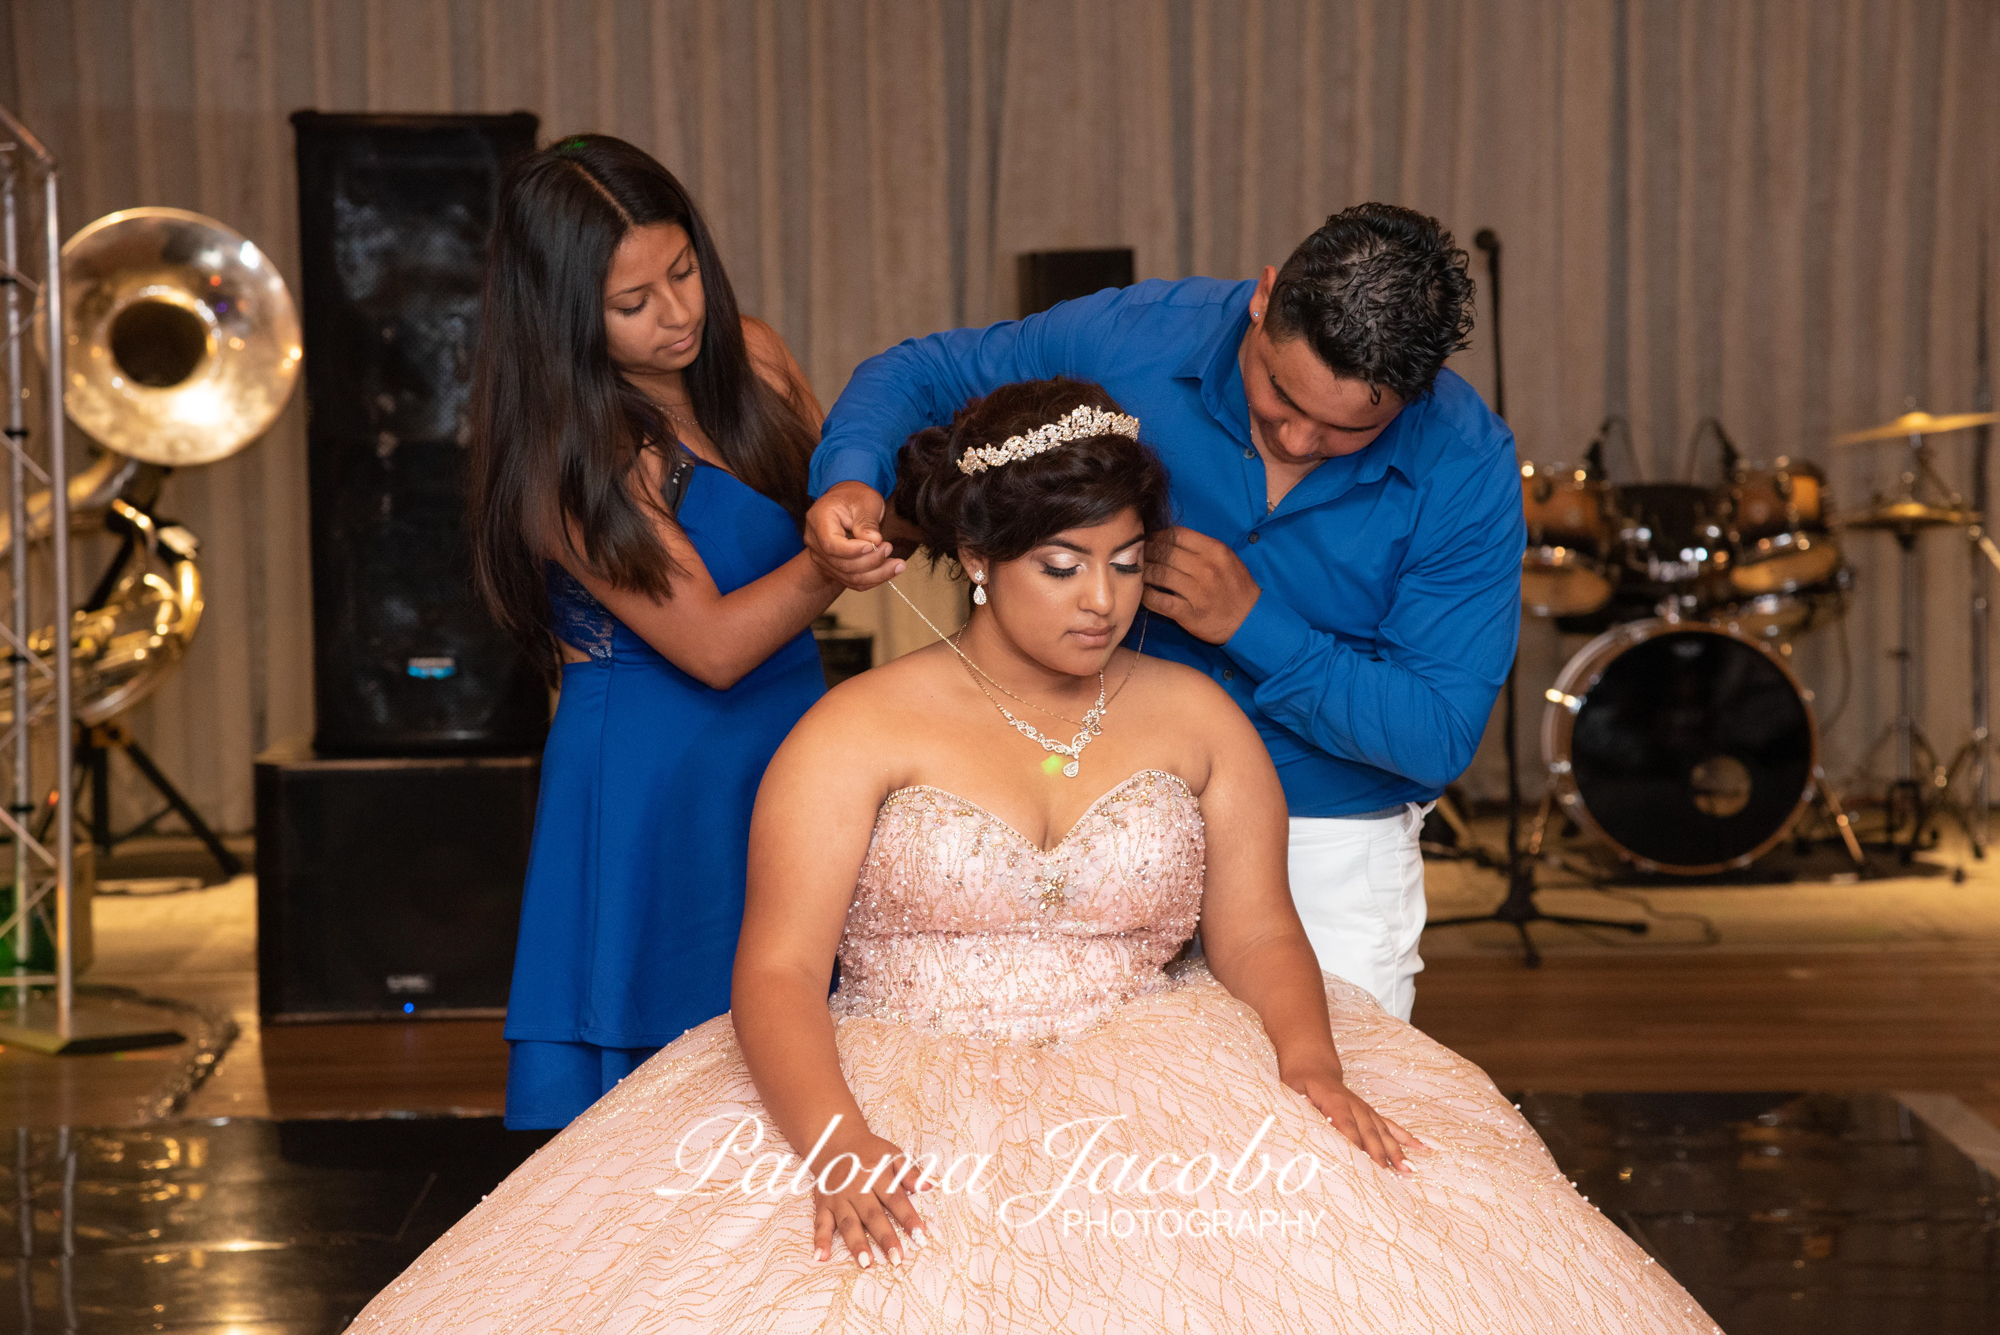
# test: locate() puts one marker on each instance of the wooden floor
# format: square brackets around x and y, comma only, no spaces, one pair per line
[1752,1014]
[1858,1019]
[1906,1019]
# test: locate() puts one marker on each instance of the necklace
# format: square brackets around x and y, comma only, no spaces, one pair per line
[1040,709]
[684,421]
[1089,728]
[1073,748]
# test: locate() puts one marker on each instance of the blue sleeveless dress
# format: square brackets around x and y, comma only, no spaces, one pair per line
[634,895]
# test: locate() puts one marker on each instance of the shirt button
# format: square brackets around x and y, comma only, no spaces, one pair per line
[1249,454]
[1229,674]
[1253,537]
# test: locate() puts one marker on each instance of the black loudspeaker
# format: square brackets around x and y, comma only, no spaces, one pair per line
[389,888]
[394,215]
[1049,276]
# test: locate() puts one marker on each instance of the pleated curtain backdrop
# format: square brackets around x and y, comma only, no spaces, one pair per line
[1776,212]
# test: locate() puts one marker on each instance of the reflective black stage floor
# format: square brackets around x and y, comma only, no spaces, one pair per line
[1783,1213]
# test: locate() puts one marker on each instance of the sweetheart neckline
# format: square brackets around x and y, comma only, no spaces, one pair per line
[1088,811]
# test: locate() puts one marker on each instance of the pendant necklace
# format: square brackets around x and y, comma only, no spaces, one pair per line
[1040,709]
[1055,762]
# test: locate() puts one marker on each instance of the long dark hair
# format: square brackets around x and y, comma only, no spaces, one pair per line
[556,429]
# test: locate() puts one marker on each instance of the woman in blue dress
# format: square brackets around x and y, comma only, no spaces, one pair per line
[639,463]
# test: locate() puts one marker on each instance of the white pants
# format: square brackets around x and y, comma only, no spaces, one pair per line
[1359,889]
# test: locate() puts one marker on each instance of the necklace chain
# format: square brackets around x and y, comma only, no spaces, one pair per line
[1091,726]
[684,421]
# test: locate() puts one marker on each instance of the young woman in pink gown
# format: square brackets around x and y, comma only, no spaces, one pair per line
[1021,1112]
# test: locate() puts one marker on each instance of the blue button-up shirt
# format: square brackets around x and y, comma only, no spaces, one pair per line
[1390,577]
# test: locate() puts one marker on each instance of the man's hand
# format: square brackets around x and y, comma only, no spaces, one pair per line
[844,535]
[1200,583]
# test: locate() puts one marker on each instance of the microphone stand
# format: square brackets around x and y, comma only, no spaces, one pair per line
[1518,909]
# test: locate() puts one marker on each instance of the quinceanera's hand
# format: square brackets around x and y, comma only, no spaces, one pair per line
[1375,1135]
[1200,583]
[843,531]
[872,1202]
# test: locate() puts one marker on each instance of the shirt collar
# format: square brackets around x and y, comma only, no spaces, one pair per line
[1214,365]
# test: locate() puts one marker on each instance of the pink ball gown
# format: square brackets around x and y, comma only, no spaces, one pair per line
[999,1000]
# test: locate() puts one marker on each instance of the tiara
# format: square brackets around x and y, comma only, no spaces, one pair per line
[1077,424]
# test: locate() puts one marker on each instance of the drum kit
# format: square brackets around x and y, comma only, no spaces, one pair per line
[1680,737]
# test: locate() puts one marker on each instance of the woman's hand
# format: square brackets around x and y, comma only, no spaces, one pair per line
[1375,1135]
[872,1203]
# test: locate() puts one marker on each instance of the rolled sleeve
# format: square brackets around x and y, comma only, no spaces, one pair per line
[1270,639]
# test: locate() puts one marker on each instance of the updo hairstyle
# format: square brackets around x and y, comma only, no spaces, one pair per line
[1010,509]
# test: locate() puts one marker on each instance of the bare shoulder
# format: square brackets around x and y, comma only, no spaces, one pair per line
[875,699]
[767,349]
[778,368]
[762,340]
[1182,689]
[1205,724]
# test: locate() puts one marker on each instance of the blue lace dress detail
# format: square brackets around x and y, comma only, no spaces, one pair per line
[577,618]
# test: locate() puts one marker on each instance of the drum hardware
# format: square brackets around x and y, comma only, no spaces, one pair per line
[1519,908]
[1916,798]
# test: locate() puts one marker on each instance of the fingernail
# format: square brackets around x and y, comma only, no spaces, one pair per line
[895,1256]
[863,1260]
[917,1236]
[819,1254]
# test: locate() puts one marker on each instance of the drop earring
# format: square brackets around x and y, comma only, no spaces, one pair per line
[979,588]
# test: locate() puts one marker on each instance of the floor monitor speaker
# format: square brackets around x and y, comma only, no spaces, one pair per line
[389,888]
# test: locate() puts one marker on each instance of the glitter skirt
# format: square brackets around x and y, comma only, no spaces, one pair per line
[1486,1236]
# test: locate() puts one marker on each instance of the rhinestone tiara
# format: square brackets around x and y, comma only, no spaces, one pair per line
[1077,424]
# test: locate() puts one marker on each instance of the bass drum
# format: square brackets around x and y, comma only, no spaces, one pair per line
[1687,748]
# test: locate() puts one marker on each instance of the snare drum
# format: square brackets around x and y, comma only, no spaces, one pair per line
[1778,532]
[1569,534]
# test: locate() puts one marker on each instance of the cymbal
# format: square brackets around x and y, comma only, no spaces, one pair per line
[1916,424]
[1900,515]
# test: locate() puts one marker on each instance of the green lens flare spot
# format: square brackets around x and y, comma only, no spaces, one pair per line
[1052,764]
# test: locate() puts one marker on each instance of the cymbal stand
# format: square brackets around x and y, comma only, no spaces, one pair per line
[1976,754]
[1912,800]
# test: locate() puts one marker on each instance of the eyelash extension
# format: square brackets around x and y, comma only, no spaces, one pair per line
[1124,569]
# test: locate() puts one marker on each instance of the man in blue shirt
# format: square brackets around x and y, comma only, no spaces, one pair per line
[1348,560]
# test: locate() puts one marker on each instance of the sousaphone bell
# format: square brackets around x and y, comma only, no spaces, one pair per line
[183,347]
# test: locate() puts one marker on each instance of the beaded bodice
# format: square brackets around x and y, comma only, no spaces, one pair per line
[960,923]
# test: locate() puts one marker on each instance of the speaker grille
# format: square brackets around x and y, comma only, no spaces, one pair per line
[394,214]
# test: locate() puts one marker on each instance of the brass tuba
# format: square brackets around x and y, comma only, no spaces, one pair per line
[183,347]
